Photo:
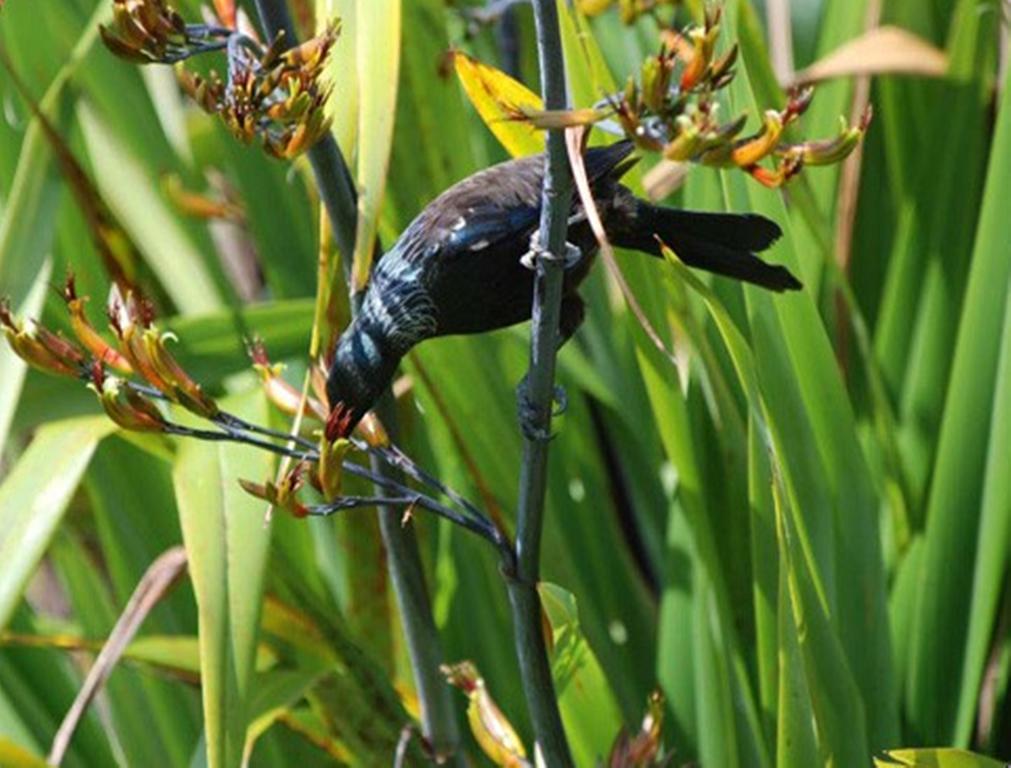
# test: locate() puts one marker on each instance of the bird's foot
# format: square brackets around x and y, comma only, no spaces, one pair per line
[560,402]
[573,255]
[532,416]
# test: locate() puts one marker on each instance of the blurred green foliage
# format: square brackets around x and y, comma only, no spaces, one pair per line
[805,548]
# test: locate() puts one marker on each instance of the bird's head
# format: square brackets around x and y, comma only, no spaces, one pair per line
[361,370]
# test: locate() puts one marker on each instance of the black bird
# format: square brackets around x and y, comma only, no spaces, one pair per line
[456,269]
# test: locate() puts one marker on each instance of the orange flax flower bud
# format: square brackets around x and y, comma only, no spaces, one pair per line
[183,389]
[722,72]
[86,333]
[834,150]
[697,63]
[773,179]
[287,489]
[132,346]
[144,31]
[124,405]
[278,391]
[313,52]
[259,490]
[41,348]
[656,75]
[59,347]
[30,349]
[225,9]
[750,151]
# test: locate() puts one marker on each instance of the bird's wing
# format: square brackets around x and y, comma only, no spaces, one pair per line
[495,204]
[498,204]
[488,224]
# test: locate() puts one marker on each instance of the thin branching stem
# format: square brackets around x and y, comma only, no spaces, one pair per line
[353,502]
[479,525]
[410,502]
[227,420]
[235,436]
[236,429]
[535,669]
[394,456]
[438,715]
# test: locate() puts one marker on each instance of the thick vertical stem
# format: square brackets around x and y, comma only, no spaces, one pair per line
[424,646]
[524,598]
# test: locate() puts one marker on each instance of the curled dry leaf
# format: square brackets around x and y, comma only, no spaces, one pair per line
[880,51]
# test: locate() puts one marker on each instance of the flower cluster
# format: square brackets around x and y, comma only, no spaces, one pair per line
[323,462]
[671,109]
[269,93]
[290,401]
[324,469]
[283,493]
[324,473]
[139,350]
[151,32]
[278,97]
[144,348]
[134,375]
[132,372]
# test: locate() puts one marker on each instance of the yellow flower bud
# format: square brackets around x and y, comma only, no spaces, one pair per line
[492,730]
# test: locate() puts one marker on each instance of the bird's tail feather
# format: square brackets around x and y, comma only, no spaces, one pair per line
[723,243]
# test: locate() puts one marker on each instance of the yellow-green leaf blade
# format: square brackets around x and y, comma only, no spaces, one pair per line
[494,94]
[378,58]
[935,758]
[226,541]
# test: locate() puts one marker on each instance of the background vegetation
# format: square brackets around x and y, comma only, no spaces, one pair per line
[801,538]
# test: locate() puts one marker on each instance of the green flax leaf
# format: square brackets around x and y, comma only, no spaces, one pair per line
[227,541]
[589,709]
[378,46]
[35,495]
[970,472]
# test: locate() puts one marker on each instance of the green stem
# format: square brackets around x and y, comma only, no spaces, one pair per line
[424,646]
[438,717]
[535,669]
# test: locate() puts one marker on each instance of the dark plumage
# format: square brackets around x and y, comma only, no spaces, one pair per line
[456,269]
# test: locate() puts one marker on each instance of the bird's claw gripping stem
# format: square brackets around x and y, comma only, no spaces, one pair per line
[531,415]
[572,256]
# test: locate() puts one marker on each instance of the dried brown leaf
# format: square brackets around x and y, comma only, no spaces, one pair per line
[884,50]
